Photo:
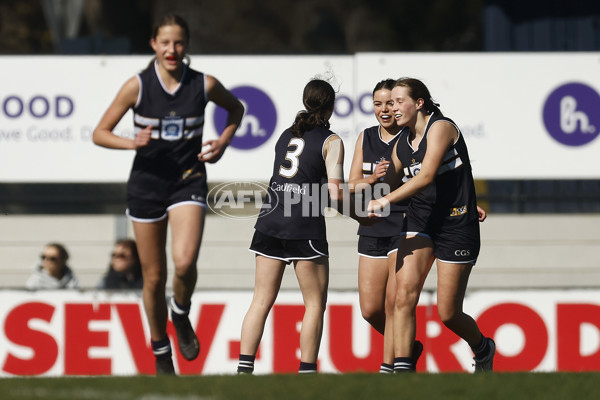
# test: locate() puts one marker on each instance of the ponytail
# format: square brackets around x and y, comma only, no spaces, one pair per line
[306,121]
[318,99]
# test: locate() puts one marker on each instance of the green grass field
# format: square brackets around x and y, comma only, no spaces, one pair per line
[511,386]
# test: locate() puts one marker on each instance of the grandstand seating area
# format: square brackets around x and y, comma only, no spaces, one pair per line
[518,250]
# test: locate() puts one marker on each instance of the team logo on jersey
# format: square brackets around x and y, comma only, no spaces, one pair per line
[258,124]
[571,114]
[241,200]
[456,211]
[190,173]
[172,128]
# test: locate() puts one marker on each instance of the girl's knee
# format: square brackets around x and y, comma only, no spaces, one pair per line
[315,307]
[448,314]
[262,307]
[154,282]
[407,297]
[371,313]
[184,266]
[184,260]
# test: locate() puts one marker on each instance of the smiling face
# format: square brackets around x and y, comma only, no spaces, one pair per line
[405,108]
[170,46]
[382,107]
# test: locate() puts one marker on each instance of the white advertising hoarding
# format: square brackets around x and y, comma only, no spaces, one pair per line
[50,106]
[525,116]
[55,333]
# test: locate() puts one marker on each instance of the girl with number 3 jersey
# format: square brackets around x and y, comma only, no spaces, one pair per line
[306,155]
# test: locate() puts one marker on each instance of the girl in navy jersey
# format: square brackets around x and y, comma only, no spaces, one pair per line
[378,243]
[291,225]
[442,221]
[167,184]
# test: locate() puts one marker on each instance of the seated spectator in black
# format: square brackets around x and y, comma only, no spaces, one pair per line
[125,269]
[53,271]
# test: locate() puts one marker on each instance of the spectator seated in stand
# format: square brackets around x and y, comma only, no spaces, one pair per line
[125,269]
[53,271]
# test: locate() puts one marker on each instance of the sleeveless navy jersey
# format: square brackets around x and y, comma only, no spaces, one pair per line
[449,201]
[375,150]
[297,191]
[177,121]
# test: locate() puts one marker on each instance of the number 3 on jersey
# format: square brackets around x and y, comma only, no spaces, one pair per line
[292,156]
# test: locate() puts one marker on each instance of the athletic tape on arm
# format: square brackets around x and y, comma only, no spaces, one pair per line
[333,160]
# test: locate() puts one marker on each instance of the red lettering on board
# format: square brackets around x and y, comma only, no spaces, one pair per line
[286,337]
[532,326]
[43,345]
[569,320]
[139,344]
[79,339]
[438,347]
[340,343]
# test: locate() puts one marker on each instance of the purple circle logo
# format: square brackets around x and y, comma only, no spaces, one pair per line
[571,114]
[258,124]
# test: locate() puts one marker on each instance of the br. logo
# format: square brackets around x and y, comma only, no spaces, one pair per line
[571,114]
[242,200]
[260,118]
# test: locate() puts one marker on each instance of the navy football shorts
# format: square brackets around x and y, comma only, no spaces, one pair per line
[149,198]
[377,247]
[288,250]
[458,245]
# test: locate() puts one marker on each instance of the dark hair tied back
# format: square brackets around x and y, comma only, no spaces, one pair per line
[418,90]
[171,19]
[387,84]
[319,100]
